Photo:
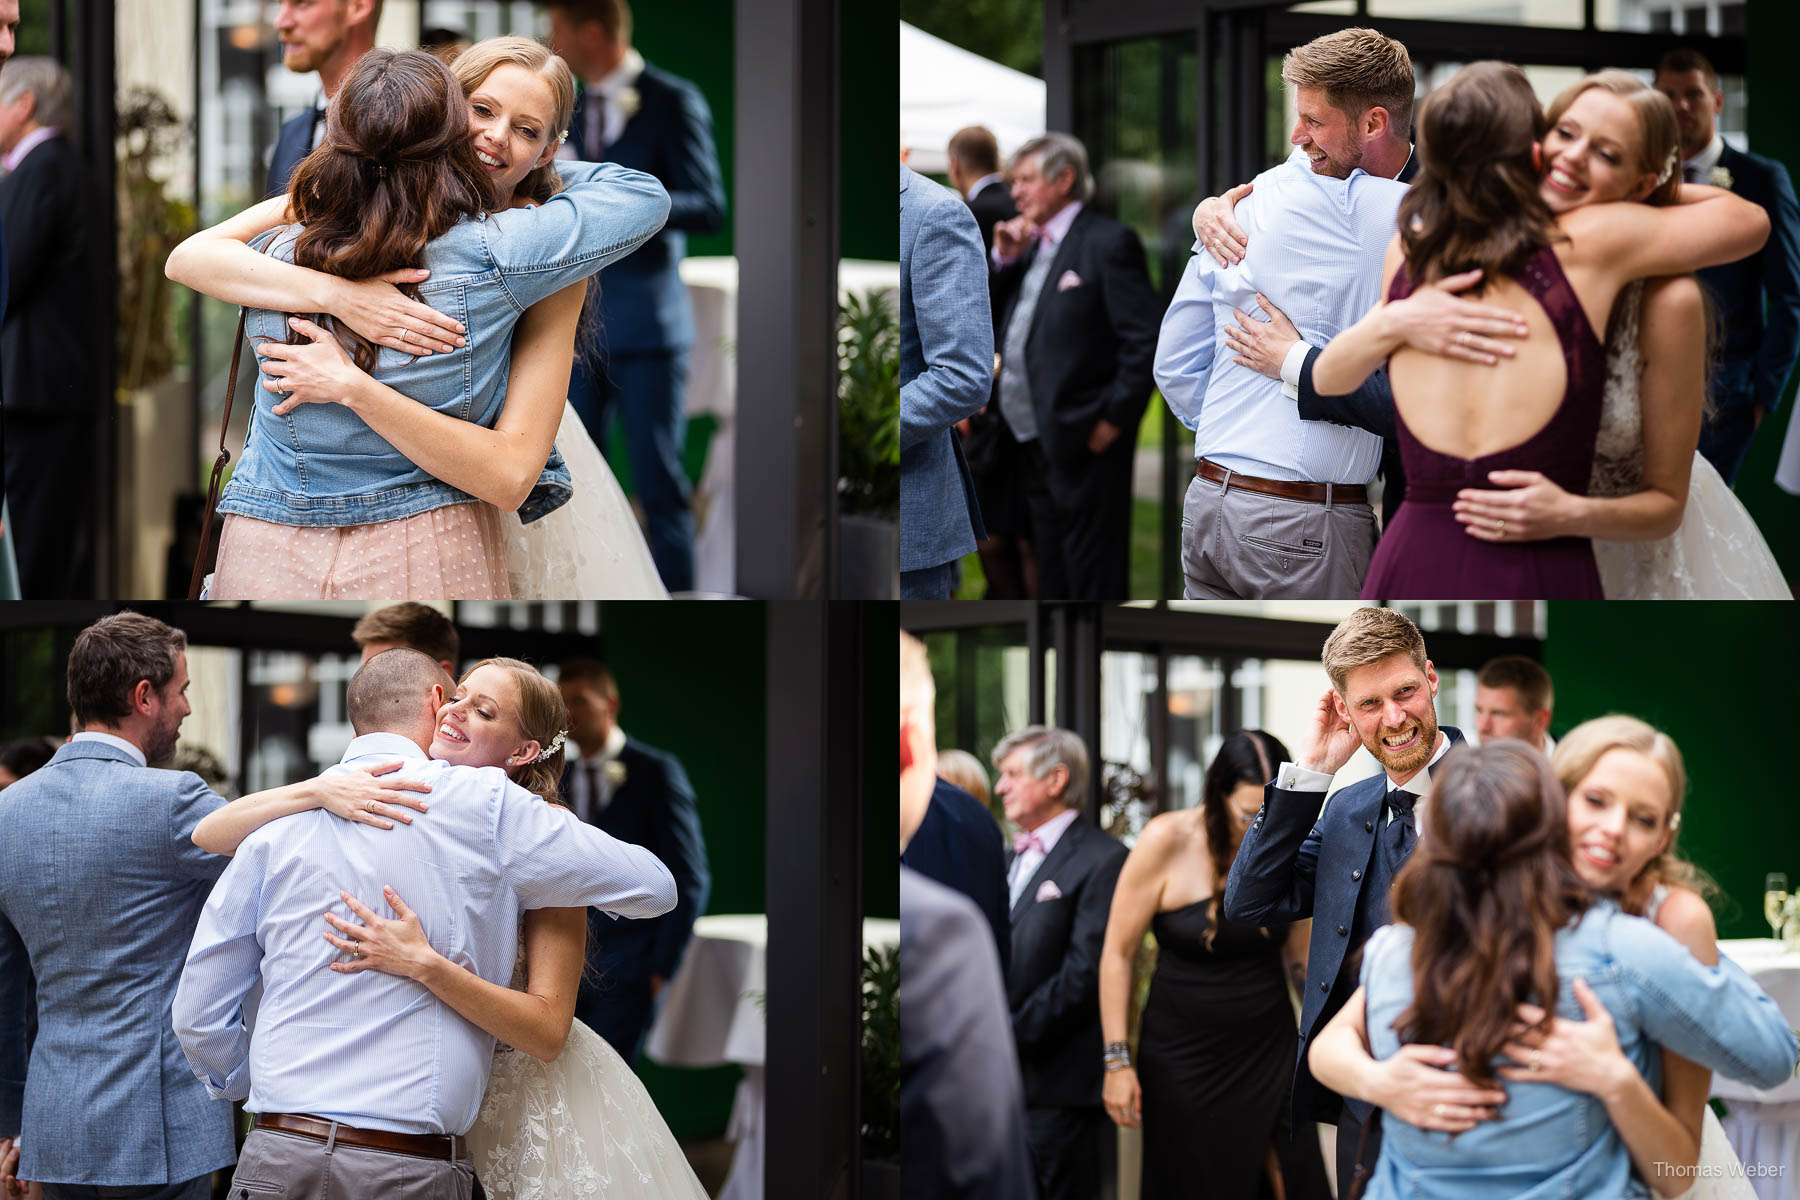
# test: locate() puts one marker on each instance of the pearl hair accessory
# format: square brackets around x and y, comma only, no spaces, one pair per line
[556,744]
[1668,170]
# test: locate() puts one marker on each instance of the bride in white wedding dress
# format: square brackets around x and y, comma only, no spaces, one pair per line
[573,538]
[564,1115]
[1664,525]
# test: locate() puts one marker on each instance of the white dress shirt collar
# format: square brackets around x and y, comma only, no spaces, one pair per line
[115,741]
[1708,158]
[975,188]
[621,76]
[383,745]
[608,750]
[1051,831]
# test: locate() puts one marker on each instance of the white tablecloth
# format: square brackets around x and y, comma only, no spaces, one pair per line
[1764,1124]
[712,1014]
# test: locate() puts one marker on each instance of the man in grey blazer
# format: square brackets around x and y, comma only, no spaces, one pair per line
[102,889]
[946,372]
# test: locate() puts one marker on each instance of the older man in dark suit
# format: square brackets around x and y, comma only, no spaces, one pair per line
[1077,335]
[326,36]
[1061,880]
[53,392]
[1756,299]
[1337,868]
[639,794]
[635,115]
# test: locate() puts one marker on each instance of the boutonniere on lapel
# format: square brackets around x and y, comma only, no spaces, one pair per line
[1719,177]
[1069,280]
[627,101]
[1048,890]
[614,771]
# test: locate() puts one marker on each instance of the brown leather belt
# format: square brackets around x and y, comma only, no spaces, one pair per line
[422,1145]
[1317,493]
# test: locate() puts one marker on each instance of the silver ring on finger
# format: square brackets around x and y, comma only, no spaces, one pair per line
[1537,1060]
[1440,1110]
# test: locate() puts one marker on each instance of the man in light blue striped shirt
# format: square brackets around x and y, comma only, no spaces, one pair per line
[1278,507]
[367,1052]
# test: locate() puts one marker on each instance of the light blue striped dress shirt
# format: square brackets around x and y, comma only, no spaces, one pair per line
[369,1049]
[1316,246]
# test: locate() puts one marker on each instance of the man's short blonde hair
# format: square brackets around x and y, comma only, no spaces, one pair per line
[1367,636]
[917,692]
[1357,69]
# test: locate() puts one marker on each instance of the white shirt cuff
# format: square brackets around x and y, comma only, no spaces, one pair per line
[1298,779]
[1290,370]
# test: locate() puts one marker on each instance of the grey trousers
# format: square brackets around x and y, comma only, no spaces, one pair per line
[1240,545]
[290,1166]
[199,1188]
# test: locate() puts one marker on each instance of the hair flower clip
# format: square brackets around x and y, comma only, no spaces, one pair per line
[556,743]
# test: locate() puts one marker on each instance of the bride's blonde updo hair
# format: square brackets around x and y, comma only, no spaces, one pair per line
[541,716]
[478,62]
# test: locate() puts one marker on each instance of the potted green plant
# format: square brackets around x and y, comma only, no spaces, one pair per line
[868,447]
[881,1074]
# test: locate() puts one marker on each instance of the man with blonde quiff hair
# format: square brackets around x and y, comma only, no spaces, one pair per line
[1336,867]
[1357,69]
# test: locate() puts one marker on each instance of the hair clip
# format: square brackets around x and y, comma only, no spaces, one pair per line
[1668,170]
[562,137]
[556,743]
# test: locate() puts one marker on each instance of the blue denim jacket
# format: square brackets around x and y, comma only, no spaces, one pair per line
[322,465]
[1549,1142]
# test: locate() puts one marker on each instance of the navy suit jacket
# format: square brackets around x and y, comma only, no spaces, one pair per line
[1758,342]
[1053,984]
[294,143]
[1295,863]
[643,304]
[653,808]
[958,844]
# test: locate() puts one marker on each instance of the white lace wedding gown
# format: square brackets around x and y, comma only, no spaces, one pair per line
[581,1125]
[589,549]
[1717,553]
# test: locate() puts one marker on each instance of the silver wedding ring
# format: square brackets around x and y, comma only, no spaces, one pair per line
[1537,1060]
[1440,1110]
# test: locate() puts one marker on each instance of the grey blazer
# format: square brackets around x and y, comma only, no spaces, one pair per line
[946,370]
[104,886]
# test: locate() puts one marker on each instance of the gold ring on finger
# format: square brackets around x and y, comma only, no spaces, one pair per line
[1500,527]
[1537,1060]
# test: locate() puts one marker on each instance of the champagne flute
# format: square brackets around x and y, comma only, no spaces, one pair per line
[1775,898]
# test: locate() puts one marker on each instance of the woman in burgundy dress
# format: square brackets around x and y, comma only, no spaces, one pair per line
[1475,219]
[1217,1041]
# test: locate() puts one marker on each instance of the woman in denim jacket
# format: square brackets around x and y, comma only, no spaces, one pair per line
[1491,914]
[378,491]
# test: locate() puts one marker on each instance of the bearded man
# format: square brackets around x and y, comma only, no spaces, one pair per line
[1337,866]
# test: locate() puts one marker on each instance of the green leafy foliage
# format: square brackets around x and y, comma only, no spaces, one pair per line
[1010,32]
[881,1052]
[868,405]
[151,222]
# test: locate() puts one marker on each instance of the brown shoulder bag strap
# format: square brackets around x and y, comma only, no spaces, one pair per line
[212,486]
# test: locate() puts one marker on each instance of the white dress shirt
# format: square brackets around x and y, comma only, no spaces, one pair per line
[975,188]
[370,1049]
[116,742]
[1025,865]
[589,790]
[1294,778]
[1316,246]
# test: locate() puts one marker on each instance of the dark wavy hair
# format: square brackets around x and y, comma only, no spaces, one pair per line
[1486,890]
[1476,202]
[1248,756]
[396,169]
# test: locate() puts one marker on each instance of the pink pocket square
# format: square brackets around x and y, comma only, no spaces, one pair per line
[1048,890]
[1069,280]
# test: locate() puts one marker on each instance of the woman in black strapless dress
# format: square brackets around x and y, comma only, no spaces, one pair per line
[1217,1038]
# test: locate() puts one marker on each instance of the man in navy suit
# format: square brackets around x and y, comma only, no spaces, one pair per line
[326,36]
[1337,867]
[632,114]
[1061,879]
[975,172]
[1757,299]
[639,794]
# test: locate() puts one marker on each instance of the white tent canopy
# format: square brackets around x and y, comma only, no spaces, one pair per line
[944,87]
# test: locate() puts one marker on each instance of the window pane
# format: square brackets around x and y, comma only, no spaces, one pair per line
[1545,14]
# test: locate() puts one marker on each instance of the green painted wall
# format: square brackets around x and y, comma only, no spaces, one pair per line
[1773,27]
[695,688]
[870,107]
[1718,678]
